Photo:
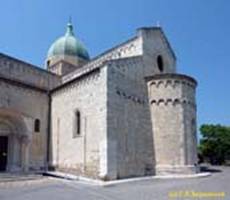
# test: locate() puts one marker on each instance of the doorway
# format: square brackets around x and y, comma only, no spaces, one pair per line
[3,152]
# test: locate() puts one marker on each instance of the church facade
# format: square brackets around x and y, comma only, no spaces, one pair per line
[124,113]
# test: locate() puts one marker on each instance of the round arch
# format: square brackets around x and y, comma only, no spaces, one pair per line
[15,130]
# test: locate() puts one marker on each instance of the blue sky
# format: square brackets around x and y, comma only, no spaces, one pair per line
[198,31]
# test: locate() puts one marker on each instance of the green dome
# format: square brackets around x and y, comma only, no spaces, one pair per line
[68,45]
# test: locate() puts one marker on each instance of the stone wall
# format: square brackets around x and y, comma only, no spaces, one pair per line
[173,110]
[79,154]
[64,64]
[129,122]
[156,44]
[18,70]
[20,100]
[129,126]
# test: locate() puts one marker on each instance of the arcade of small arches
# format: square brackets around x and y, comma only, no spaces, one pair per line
[175,101]
[172,83]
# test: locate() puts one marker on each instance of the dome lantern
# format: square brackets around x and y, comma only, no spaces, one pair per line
[69,30]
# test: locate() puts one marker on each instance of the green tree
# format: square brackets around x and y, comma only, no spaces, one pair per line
[215,143]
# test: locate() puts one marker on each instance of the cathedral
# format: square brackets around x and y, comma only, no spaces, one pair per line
[124,113]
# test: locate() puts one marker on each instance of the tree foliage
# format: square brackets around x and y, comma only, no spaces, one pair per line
[215,143]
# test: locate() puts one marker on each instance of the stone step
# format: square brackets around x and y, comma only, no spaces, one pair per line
[11,177]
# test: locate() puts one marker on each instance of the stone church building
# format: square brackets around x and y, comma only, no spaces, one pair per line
[124,113]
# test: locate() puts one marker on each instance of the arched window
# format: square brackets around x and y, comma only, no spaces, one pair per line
[78,118]
[77,124]
[37,125]
[160,63]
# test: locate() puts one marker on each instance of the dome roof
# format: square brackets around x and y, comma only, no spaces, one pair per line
[68,45]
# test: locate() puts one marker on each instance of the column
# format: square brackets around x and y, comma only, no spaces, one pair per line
[25,153]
